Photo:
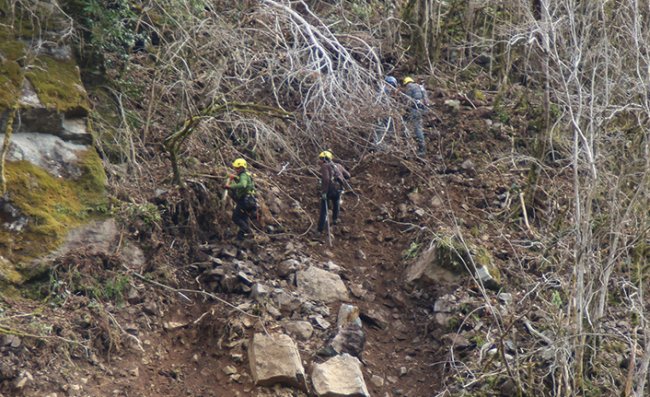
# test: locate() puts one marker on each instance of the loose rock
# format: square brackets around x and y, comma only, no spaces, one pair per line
[339,376]
[302,330]
[275,359]
[321,285]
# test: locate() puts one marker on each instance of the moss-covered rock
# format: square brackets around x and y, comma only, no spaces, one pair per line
[45,209]
[448,257]
[58,85]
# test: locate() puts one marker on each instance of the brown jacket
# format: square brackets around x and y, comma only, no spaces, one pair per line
[329,173]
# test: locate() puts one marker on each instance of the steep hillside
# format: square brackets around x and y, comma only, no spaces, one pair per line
[508,259]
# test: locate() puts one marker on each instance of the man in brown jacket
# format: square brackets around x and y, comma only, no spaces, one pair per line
[332,176]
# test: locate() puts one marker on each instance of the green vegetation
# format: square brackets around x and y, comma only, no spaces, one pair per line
[411,251]
[147,213]
[95,277]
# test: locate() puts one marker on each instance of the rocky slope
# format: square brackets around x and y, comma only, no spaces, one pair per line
[445,276]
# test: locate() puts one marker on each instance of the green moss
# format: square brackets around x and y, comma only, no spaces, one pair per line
[58,84]
[11,74]
[456,257]
[91,186]
[53,206]
[477,95]
[8,273]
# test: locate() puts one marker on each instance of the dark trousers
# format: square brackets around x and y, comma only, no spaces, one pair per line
[414,120]
[241,216]
[333,202]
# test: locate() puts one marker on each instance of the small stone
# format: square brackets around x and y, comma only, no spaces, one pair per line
[453,104]
[505,297]
[287,267]
[319,321]
[486,278]
[172,325]
[229,370]
[229,252]
[402,371]
[332,267]
[273,311]
[303,330]
[357,291]
[244,278]
[135,372]
[150,308]
[11,340]
[247,322]
[375,318]
[132,296]
[377,381]
[391,379]
[260,291]
[22,380]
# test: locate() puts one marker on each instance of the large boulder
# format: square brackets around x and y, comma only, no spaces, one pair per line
[274,359]
[340,376]
[320,285]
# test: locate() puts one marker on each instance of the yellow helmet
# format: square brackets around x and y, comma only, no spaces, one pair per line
[239,163]
[407,80]
[326,155]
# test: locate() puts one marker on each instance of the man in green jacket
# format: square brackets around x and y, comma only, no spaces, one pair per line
[242,189]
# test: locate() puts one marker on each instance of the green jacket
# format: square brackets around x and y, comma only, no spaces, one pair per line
[242,185]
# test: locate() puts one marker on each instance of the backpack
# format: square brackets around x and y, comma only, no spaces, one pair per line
[336,176]
[249,201]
